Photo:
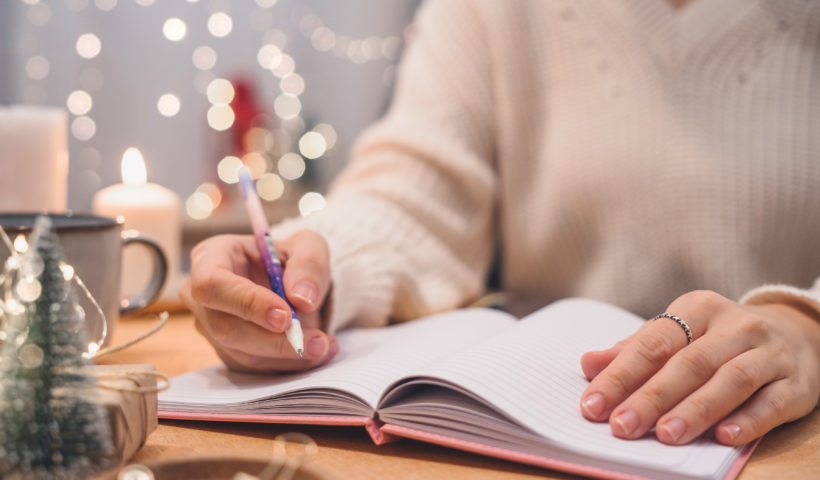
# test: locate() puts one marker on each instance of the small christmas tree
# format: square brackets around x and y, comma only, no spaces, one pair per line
[50,424]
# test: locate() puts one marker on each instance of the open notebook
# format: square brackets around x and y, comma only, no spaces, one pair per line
[478,380]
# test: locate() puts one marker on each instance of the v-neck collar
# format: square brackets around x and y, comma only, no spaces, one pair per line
[675,32]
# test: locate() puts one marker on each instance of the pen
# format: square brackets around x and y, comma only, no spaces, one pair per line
[269,256]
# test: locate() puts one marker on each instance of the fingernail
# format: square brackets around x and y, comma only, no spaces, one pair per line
[625,423]
[334,347]
[594,405]
[317,347]
[674,429]
[731,430]
[306,291]
[278,319]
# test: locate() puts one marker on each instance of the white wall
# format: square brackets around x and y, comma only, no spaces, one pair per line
[137,64]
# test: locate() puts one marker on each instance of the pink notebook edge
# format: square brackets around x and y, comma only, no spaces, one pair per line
[539,461]
[368,423]
[386,433]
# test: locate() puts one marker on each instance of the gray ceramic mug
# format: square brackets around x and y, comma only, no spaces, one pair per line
[93,246]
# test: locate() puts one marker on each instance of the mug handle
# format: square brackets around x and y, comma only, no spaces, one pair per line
[158,275]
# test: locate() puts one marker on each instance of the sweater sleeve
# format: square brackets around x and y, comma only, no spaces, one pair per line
[409,220]
[777,293]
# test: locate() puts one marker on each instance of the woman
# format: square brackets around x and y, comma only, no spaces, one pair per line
[658,156]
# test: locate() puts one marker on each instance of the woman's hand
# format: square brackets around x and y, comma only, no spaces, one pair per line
[749,369]
[236,310]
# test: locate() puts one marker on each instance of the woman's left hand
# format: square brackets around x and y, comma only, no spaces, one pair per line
[749,369]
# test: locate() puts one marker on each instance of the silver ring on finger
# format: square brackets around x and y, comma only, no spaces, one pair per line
[680,322]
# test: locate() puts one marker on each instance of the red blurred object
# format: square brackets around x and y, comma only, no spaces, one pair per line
[247,111]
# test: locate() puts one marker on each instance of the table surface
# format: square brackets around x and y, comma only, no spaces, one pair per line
[792,450]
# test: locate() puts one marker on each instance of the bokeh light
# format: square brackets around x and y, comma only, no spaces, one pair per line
[220,24]
[83,128]
[88,45]
[37,67]
[199,206]
[269,56]
[228,169]
[204,58]
[174,29]
[278,142]
[212,191]
[294,126]
[256,164]
[292,84]
[328,132]
[312,145]
[323,39]
[168,105]
[291,166]
[270,187]
[79,102]
[39,14]
[311,202]
[254,139]
[286,66]
[220,92]
[287,106]
[20,243]
[220,117]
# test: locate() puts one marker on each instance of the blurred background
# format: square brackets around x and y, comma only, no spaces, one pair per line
[198,87]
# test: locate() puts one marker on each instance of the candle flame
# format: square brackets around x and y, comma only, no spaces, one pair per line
[133,167]
[20,243]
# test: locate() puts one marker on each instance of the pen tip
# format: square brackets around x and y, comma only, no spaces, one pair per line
[299,352]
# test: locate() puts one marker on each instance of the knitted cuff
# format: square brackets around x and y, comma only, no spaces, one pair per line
[782,294]
[361,291]
[361,294]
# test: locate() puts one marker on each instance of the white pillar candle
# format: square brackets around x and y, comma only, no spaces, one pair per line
[146,207]
[33,159]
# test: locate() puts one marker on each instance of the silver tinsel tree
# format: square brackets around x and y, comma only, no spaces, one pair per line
[51,427]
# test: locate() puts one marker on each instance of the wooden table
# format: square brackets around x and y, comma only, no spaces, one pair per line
[790,451]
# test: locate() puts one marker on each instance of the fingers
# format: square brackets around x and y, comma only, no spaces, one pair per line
[640,358]
[307,270]
[592,363]
[220,271]
[241,316]
[756,362]
[243,362]
[773,405]
[244,346]
[685,402]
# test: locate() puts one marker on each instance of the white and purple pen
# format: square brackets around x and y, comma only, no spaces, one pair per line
[269,256]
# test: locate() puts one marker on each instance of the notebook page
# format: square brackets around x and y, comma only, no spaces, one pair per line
[369,361]
[532,372]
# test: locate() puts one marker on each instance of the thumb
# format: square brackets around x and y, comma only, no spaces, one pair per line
[306,270]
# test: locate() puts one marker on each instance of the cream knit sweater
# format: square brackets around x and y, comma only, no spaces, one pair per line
[614,149]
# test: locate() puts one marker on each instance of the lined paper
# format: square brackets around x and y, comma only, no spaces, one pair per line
[369,361]
[532,372]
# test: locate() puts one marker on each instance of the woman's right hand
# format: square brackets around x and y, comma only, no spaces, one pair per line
[239,314]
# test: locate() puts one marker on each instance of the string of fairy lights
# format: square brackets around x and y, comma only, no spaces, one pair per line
[274,156]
